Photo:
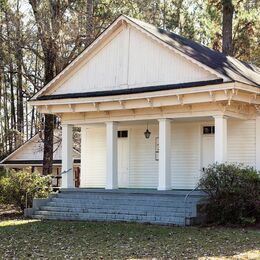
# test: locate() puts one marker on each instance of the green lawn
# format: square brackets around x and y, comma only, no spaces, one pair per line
[90,240]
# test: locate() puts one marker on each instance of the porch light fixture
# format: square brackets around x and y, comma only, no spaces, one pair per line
[147,133]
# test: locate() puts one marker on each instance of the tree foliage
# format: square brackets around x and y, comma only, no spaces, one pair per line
[15,185]
[38,38]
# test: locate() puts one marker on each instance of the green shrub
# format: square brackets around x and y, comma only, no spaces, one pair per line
[15,185]
[233,194]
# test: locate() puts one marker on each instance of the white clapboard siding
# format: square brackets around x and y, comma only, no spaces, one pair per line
[33,150]
[185,159]
[185,153]
[242,141]
[143,172]
[151,64]
[132,59]
[143,167]
[95,158]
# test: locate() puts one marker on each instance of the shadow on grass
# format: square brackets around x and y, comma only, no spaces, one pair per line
[95,240]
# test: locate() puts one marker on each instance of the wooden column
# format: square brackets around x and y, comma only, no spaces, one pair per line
[164,182]
[67,157]
[111,156]
[258,143]
[220,139]
[83,157]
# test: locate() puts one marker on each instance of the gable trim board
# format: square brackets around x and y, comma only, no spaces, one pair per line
[34,162]
[122,22]
[236,88]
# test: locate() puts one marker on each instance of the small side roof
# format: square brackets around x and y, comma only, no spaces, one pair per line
[31,153]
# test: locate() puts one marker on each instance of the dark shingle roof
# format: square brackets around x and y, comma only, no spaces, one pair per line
[227,66]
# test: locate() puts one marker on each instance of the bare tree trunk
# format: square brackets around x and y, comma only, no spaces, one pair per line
[49,50]
[13,117]
[48,144]
[49,119]
[90,22]
[19,57]
[228,11]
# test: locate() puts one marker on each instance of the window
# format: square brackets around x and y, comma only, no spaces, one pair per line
[122,134]
[208,130]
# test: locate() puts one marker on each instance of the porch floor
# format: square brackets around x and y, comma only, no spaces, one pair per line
[177,192]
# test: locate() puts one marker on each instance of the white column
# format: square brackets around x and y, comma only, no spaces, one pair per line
[220,139]
[164,154]
[67,159]
[111,170]
[257,143]
[83,156]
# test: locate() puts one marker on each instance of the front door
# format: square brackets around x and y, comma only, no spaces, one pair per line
[208,146]
[123,159]
[77,177]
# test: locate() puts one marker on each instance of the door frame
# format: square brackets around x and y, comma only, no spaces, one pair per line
[128,157]
[201,142]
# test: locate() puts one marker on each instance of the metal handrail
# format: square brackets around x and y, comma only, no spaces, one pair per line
[185,201]
[65,171]
[38,188]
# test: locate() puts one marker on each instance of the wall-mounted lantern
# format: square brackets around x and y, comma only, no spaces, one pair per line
[147,133]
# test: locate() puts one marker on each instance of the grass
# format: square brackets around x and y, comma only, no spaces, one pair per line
[23,239]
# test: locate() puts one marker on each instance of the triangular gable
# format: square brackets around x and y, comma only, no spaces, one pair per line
[32,150]
[122,57]
[132,60]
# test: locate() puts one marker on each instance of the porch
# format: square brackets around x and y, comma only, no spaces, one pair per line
[117,154]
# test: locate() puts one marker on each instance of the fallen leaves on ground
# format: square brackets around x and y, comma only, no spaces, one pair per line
[99,240]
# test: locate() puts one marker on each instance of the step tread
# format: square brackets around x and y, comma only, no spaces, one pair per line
[122,206]
[116,211]
[129,217]
[124,201]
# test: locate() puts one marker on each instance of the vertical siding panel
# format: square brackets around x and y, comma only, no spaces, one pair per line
[96,158]
[242,141]
[185,162]
[143,166]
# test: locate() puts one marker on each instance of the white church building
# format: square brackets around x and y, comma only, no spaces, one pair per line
[154,109]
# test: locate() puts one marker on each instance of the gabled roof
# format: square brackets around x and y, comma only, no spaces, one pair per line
[226,67]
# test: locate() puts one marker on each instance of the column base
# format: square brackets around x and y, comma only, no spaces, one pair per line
[164,188]
[111,188]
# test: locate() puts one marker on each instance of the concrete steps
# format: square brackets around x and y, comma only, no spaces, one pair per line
[144,207]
